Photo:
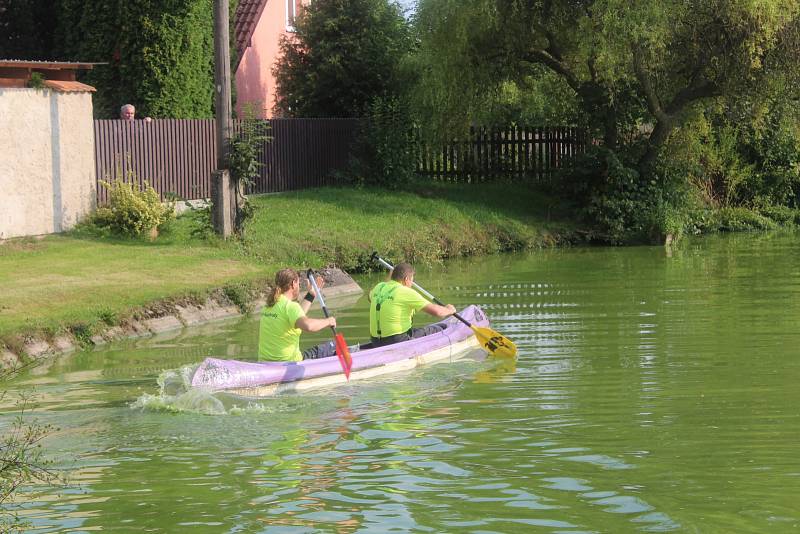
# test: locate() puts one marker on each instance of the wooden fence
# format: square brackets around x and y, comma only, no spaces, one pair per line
[519,154]
[177,156]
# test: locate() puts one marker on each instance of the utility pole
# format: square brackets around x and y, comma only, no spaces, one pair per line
[222,196]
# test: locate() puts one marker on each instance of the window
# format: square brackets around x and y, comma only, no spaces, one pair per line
[293,8]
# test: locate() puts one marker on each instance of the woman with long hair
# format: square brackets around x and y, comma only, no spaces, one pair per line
[283,319]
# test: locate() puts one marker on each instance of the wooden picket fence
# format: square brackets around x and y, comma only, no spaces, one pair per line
[177,156]
[518,154]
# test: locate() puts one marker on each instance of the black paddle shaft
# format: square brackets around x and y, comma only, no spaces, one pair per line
[418,288]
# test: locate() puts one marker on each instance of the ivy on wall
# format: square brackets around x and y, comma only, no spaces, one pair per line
[159,56]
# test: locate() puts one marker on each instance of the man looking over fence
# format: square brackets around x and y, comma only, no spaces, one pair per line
[128,113]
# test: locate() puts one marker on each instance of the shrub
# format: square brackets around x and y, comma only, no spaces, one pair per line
[742,219]
[133,211]
[782,215]
[621,206]
[245,148]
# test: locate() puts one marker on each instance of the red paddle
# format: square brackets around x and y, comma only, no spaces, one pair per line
[342,350]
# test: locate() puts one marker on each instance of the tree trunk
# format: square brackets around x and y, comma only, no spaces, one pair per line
[646,163]
[610,133]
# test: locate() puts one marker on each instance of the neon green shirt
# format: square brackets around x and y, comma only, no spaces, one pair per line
[278,339]
[398,304]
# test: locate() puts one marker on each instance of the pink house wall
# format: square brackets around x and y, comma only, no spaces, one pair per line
[254,81]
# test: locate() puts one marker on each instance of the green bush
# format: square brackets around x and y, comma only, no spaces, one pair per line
[133,211]
[774,149]
[245,147]
[783,215]
[742,219]
[735,155]
[618,204]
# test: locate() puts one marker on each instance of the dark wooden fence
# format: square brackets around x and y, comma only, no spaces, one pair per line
[177,156]
[518,154]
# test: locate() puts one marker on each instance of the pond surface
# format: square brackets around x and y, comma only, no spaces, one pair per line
[655,390]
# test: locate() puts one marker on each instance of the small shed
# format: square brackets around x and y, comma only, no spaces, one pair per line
[47,176]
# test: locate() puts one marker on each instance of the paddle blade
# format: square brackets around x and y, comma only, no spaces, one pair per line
[495,343]
[343,353]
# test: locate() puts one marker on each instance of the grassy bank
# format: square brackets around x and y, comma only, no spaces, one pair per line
[79,282]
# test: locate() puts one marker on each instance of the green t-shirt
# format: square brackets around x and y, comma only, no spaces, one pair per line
[278,339]
[398,304]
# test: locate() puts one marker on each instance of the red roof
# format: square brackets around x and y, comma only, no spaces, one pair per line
[248,13]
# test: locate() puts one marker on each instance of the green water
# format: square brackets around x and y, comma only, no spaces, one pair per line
[654,391]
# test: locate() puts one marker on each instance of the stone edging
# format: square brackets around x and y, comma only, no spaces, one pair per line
[216,307]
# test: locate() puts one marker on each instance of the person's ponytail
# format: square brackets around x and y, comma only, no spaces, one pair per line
[283,283]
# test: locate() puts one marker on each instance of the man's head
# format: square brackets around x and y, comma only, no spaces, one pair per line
[403,273]
[127,112]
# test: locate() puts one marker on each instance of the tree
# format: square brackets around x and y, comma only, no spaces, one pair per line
[26,29]
[158,55]
[626,63]
[343,54]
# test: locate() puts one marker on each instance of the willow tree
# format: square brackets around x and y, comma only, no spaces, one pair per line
[629,65]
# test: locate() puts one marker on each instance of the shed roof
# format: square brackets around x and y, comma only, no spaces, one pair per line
[58,75]
[46,65]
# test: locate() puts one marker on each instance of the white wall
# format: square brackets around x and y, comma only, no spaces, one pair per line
[47,176]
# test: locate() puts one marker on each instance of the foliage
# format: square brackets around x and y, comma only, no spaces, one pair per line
[157,55]
[621,206]
[706,151]
[242,293]
[732,219]
[628,64]
[745,154]
[133,210]
[26,30]
[343,54]
[22,460]
[538,100]
[36,81]
[245,148]
[772,146]
[382,155]
[200,225]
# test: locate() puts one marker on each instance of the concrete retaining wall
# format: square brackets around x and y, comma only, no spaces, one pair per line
[47,177]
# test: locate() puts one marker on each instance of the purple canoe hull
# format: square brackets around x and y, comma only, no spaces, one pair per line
[217,374]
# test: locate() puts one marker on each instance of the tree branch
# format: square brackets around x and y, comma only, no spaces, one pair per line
[543,57]
[590,63]
[687,95]
[653,103]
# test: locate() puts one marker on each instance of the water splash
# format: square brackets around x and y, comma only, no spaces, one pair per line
[176,395]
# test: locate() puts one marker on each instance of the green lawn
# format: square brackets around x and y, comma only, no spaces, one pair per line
[49,284]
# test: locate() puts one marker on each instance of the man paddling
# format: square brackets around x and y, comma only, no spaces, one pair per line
[393,305]
[283,319]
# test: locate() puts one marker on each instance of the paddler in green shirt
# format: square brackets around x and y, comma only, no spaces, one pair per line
[393,305]
[283,319]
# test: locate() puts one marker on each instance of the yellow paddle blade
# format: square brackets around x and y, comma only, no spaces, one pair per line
[494,342]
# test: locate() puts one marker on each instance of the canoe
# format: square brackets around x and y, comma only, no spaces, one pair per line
[262,379]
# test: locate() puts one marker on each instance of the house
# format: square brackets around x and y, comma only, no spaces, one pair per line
[258,27]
